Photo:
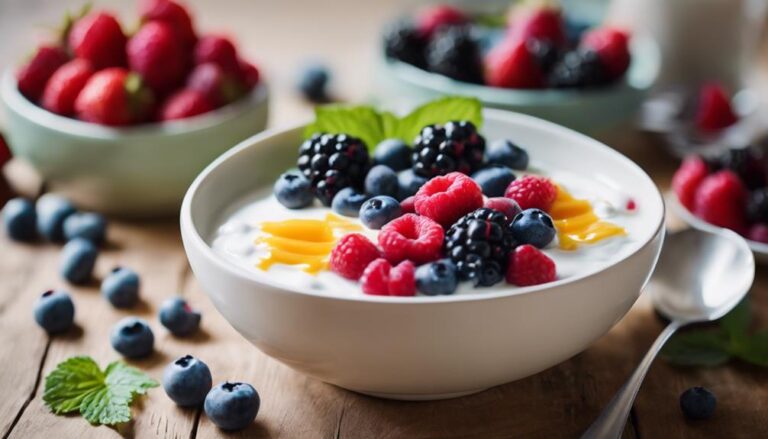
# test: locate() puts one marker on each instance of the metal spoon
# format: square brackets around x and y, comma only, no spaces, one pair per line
[700,277]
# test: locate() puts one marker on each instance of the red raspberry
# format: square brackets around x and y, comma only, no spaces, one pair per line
[612,47]
[218,87]
[351,255]
[99,39]
[64,86]
[185,103]
[156,53]
[759,233]
[530,266]
[446,199]
[687,179]
[402,279]
[714,111]
[721,200]
[172,13]
[411,237]
[532,192]
[540,23]
[114,97]
[375,278]
[435,17]
[512,65]
[218,50]
[507,206]
[34,75]
[408,205]
[249,74]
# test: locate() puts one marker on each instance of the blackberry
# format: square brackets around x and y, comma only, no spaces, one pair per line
[479,244]
[757,206]
[403,42]
[332,162]
[747,164]
[578,69]
[455,146]
[545,53]
[454,53]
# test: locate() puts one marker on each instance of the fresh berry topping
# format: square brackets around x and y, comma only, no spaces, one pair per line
[34,75]
[187,381]
[55,311]
[132,337]
[232,406]
[378,211]
[178,317]
[351,255]
[382,180]
[530,266]
[507,206]
[454,53]
[714,111]
[505,153]
[171,13]
[78,257]
[749,164]
[612,48]
[86,225]
[409,183]
[698,403]
[52,210]
[98,38]
[293,190]
[408,205]
[532,191]
[757,206]
[121,287]
[114,97]
[405,43]
[533,226]
[580,68]
[687,179]
[440,16]
[393,153]
[759,233]
[156,53]
[411,237]
[402,280]
[218,50]
[494,180]
[721,200]
[65,85]
[479,244]
[539,23]
[313,83]
[332,162]
[631,205]
[455,146]
[511,64]
[437,278]
[20,219]
[446,199]
[375,278]
[348,202]
[185,103]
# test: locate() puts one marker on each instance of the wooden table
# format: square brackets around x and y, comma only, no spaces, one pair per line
[560,402]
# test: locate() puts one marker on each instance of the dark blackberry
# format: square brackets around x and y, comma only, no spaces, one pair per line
[332,162]
[454,53]
[578,69]
[545,53]
[479,244]
[747,164]
[403,42]
[757,206]
[455,146]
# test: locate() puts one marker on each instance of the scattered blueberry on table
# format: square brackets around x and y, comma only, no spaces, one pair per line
[494,180]
[121,287]
[348,201]
[87,225]
[313,82]
[55,311]
[78,257]
[533,226]
[178,317]
[381,180]
[378,211]
[133,338]
[187,381]
[506,153]
[52,210]
[232,406]
[437,278]
[293,190]
[20,219]
[393,153]
[698,403]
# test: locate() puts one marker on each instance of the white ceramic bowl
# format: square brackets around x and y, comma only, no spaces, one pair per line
[421,347]
[136,171]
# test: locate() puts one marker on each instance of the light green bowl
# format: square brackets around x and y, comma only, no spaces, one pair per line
[133,171]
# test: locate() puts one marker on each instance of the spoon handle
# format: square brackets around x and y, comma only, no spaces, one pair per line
[610,424]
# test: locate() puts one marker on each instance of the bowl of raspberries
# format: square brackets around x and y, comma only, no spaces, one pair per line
[729,190]
[531,59]
[122,122]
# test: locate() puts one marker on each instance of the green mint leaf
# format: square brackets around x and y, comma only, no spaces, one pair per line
[697,348]
[438,112]
[755,349]
[362,122]
[71,381]
[736,322]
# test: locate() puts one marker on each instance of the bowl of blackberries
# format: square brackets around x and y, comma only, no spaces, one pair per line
[531,59]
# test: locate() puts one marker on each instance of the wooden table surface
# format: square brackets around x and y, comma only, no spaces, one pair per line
[559,402]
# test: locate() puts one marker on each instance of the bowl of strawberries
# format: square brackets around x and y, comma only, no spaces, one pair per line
[531,59]
[122,123]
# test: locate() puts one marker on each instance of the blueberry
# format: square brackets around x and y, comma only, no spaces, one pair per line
[52,210]
[232,406]
[87,225]
[494,180]
[54,311]
[293,190]
[121,287]
[20,219]
[409,183]
[313,81]
[378,211]
[78,258]
[393,153]
[437,278]
[187,380]
[132,337]
[179,317]
[533,226]
[381,180]
[348,201]
[698,403]
[506,153]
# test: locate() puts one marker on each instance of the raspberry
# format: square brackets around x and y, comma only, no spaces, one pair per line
[64,86]
[34,75]
[532,192]
[99,39]
[412,237]
[721,200]
[759,233]
[612,47]
[446,199]
[381,279]
[351,255]
[402,279]
[714,111]
[687,179]
[512,64]
[156,53]
[185,103]
[440,16]
[539,23]
[408,205]
[530,266]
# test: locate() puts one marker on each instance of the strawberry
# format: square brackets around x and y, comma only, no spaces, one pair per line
[249,74]
[185,103]
[512,65]
[33,76]
[721,200]
[218,50]
[530,266]
[435,17]
[173,14]
[99,39]
[540,23]
[687,179]
[714,111]
[219,88]
[157,55]
[64,86]
[612,48]
[114,97]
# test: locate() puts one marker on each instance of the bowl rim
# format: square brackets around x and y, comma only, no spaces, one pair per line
[16,102]
[191,236]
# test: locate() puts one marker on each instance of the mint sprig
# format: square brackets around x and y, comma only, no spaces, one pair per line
[101,397]
[372,126]
[713,347]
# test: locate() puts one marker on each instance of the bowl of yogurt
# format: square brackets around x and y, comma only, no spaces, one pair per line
[420,347]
